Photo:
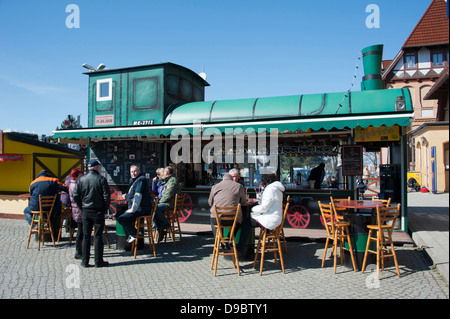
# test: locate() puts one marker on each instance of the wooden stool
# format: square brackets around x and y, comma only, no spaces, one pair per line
[140,224]
[66,214]
[386,202]
[386,217]
[282,229]
[339,211]
[338,232]
[40,220]
[172,217]
[225,216]
[269,241]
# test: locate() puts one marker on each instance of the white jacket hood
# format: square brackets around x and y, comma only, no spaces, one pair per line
[277,185]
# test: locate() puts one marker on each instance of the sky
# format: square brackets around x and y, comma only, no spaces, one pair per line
[247,48]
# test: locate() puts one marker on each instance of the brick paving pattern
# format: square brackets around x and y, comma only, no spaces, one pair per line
[184,272]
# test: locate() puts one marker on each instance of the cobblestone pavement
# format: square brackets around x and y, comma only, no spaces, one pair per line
[184,272]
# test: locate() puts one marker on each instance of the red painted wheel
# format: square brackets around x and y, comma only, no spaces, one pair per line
[187,209]
[298,216]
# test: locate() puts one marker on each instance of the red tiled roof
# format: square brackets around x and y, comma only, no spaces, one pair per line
[385,64]
[432,27]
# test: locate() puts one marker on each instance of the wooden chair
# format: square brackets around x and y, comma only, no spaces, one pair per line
[338,232]
[339,210]
[386,217]
[66,214]
[143,230]
[226,220]
[172,216]
[40,220]
[282,229]
[269,241]
[386,202]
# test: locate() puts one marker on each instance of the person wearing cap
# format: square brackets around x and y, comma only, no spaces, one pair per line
[93,196]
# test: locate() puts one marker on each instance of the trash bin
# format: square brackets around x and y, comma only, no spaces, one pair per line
[358,235]
[248,249]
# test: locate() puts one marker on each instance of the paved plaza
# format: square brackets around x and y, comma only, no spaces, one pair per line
[184,272]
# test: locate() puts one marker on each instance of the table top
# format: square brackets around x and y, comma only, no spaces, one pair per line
[356,204]
[251,202]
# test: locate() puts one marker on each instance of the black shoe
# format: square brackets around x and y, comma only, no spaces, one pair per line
[102,264]
[78,256]
[161,234]
[85,265]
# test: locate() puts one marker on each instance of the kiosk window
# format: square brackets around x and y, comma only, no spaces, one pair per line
[104,90]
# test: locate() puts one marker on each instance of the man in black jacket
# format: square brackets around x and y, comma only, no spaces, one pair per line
[93,196]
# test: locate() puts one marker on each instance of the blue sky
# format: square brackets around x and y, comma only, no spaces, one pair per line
[248,48]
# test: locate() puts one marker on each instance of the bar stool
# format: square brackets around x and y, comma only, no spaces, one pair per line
[269,241]
[66,214]
[146,230]
[40,220]
[386,202]
[338,232]
[226,220]
[339,210]
[282,229]
[172,217]
[386,217]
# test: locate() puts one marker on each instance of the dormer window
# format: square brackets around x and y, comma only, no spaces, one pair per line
[104,90]
[437,57]
[410,60]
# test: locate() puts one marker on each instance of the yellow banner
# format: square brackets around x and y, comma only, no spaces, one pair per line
[376,134]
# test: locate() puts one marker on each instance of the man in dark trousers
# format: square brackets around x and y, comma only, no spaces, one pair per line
[93,196]
[139,202]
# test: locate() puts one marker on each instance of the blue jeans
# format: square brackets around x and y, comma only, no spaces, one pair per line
[27,213]
[159,218]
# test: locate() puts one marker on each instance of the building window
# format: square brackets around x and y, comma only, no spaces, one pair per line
[427,113]
[410,60]
[104,90]
[437,57]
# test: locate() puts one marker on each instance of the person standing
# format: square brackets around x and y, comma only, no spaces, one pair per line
[77,215]
[139,202]
[316,175]
[93,196]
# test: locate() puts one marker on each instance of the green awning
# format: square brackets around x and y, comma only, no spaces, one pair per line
[325,111]
[83,134]
[299,112]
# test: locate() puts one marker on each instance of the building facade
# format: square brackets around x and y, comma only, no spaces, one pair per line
[422,66]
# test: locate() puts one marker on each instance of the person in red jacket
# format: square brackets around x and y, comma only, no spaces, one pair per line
[46,186]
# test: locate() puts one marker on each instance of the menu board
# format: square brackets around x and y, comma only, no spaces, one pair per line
[116,158]
[352,160]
